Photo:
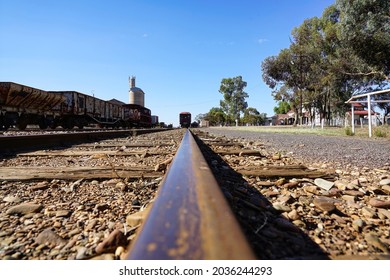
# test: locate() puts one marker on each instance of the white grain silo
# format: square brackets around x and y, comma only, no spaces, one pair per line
[137,96]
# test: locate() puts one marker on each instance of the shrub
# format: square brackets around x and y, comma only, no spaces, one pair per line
[379,132]
[348,131]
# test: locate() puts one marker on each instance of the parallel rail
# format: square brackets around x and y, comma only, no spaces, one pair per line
[11,144]
[190,218]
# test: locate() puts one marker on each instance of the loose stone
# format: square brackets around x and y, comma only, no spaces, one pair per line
[373,239]
[12,199]
[40,186]
[293,215]
[281,207]
[49,236]
[386,189]
[324,203]
[324,184]
[115,239]
[385,182]
[380,203]
[384,212]
[135,219]
[24,209]
[358,224]
[63,213]
[353,193]
[368,212]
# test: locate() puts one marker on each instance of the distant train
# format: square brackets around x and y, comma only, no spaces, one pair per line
[22,105]
[185,119]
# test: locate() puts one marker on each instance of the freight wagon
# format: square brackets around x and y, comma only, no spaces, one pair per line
[185,119]
[22,105]
[137,116]
[82,110]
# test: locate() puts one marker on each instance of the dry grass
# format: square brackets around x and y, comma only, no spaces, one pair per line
[377,132]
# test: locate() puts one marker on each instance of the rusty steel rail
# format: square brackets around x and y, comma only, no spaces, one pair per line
[12,144]
[190,218]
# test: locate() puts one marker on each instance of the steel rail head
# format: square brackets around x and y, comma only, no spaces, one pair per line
[190,218]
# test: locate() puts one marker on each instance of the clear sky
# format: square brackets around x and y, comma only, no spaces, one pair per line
[179,50]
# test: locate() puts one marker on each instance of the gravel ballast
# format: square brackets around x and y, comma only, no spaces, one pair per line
[335,150]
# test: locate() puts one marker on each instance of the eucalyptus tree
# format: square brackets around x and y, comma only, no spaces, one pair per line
[233,103]
[290,73]
[365,28]
[344,51]
[311,59]
[278,74]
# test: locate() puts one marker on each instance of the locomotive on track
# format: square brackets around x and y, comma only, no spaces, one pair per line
[22,105]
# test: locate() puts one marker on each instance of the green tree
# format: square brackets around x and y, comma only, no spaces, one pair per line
[314,73]
[253,117]
[200,117]
[344,71]
[282,108]
[365,28]
[284,73]
[216,116]
[345,51]
[233,103]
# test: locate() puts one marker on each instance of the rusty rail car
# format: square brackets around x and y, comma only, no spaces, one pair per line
[22,105]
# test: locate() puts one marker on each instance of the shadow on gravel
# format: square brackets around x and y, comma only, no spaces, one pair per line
[271,235]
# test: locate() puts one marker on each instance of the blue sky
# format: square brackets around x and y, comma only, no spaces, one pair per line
[179,51]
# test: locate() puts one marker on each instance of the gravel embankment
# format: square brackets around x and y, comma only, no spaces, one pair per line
[337,151]
[72,218]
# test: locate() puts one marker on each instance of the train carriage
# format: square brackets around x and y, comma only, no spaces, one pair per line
[185,119]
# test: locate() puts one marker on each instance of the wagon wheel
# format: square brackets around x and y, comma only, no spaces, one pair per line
[43,123]
[22,123]
[68,124]
[3,125]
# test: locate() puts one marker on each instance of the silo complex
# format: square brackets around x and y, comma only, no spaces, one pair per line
[137,96]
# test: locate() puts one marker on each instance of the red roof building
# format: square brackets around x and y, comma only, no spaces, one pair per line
[358,110]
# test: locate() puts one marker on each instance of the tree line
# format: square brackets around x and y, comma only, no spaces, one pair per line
[344,52]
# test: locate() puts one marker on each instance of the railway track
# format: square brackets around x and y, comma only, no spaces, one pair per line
[14,141]
[153,196]
[75,197]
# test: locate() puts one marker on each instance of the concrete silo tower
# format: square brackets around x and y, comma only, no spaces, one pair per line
[137,96]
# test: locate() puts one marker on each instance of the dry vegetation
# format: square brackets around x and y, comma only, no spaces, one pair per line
[377,131]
